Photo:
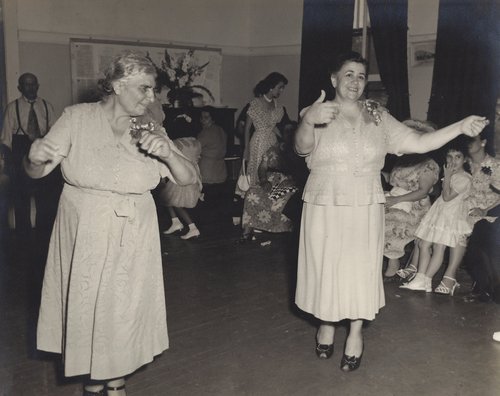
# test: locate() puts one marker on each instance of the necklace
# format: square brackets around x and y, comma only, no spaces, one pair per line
[267,99]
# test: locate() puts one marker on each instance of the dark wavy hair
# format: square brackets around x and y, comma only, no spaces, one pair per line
[269,83]
[351,56]
[125,64]
[459,144]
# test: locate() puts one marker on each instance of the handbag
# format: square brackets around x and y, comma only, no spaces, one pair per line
[243,179]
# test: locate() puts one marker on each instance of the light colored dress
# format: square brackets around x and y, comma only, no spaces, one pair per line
[103,303]
[341,238]
[446,221]
[264,120]
[400,225]
[184,196]
[213,150]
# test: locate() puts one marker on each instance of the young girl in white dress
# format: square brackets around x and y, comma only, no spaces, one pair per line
[179,198]
[444,225]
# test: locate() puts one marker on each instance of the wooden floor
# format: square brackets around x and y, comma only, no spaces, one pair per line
[234,329]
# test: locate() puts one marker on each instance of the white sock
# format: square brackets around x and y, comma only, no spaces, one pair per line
[192,226]
[175,220]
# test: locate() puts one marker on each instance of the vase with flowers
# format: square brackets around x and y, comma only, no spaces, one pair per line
[177,73]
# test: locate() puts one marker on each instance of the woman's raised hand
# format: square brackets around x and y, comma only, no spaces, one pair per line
[448,170]
[320,112]
[43,151]
[156,145]
[473,125]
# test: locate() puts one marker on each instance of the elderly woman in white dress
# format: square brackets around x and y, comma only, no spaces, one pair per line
[342,240]
[103,304]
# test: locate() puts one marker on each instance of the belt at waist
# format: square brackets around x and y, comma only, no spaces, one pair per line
[123,205]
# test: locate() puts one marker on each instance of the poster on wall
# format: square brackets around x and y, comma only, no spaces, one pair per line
[182,71]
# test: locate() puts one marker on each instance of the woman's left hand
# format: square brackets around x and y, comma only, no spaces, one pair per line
[473,125]
[390,200]
[156,145]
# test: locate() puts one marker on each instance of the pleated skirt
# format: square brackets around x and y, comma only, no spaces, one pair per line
[340,261]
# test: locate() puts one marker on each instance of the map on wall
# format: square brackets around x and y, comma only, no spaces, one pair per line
[178,67]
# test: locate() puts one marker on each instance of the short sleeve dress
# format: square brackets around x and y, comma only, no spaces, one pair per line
[264,137]
[341,238]
[446,221]
[103,303]
[400,225]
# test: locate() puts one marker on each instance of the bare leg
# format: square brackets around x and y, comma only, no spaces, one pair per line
[436,259]
[392,267]
[325,333]
[424,257]
[184,215]
[354,342]
[193,231]
[456,255]
[176,223]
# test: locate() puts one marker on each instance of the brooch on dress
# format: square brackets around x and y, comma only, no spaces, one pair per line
[373,108]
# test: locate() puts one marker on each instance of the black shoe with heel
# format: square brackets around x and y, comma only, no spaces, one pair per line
[350,363]
[324,351]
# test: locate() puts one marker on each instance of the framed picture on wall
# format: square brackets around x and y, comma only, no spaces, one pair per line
[422,52]
[184,70]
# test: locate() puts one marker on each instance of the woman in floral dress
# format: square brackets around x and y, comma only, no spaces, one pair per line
[412,179]
[264,202]
[264,113]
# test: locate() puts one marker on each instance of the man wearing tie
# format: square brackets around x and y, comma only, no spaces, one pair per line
[26,119]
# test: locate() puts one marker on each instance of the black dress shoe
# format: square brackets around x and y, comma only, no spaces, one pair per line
[324,351]
[350,363]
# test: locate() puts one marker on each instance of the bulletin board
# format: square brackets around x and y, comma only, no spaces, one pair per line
[89,57]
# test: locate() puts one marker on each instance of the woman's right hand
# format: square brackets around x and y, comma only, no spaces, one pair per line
[448,170]
[42,151]
[473,125]
[320,112]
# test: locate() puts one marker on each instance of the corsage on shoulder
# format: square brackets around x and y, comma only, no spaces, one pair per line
[486,169]
[137,128]
[374,110]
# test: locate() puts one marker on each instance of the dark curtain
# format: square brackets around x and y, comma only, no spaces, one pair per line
[466,66]
[326,32]
[389,25]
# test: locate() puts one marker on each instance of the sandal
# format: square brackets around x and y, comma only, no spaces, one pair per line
[443,289]
[407,272]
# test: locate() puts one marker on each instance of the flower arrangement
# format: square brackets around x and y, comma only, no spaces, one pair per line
[178,73]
